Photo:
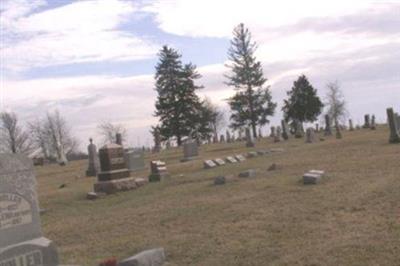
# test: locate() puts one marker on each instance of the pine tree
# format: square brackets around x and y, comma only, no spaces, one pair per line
[177,106]
[252,103]
[303,103]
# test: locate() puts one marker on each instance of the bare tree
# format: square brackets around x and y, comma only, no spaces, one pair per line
[109,131]
[217,120]
[336,103]
[39,137]
[13,138]
[59,137]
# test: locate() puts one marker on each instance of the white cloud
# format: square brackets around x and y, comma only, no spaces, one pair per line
[209,18]
[83,31]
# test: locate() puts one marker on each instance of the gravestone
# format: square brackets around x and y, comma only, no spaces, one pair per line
[278,135]
[93,160]
[299,132]
[157,140]
[190,150]
[222,138]
[260,135]
[228,136]
[394,134]
[316,127]
[240,158]
[310,135]
[231,159]
[249,139]
[312,177]
[118,138]
[373,125]
[397,120]
[351,127]
[158,171]
[338,132]
[285,130]
[240,134]
[366,121]
[114,175]
[215,138]
[134,160]
[248,173]
[207,164]
[219,161]
[328,129]
[151,257]
[252,154]
[21,239]
[272,134]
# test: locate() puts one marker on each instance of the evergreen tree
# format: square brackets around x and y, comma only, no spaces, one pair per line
[303,103]
[177,106]
[252,103]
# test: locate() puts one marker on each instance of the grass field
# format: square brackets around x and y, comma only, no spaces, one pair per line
[351,218]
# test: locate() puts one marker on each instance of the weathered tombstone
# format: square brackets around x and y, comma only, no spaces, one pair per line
[215,138]
[312,177]
[397,120]
[230,159]
[158,171]
[207,164]
[328,129]
[249,139]
[134,160]
[366,121]
[252,154]
[222,138]
[316,127]
[240,158]
[310,135]
[228,136]
[373,125]
[151,257]
[190,150]
[21,239]
[351,127]
[240,134]
[285,130]
[394,134]
[278,135]
[272,134]
[299,132]
[118,138]
[114,175]
[219,161]
[338,132]
[248,173]
[93,159]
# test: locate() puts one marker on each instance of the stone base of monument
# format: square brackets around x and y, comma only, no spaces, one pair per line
[113,186]
[39,251]
[113,175]
[91,172]
[157,177]
[187,159]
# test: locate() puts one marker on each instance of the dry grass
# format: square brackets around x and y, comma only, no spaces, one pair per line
[351,218]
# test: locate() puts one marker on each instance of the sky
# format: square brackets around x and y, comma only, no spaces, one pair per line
[94,60]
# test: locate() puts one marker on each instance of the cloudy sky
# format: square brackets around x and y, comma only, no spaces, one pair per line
[94,60]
